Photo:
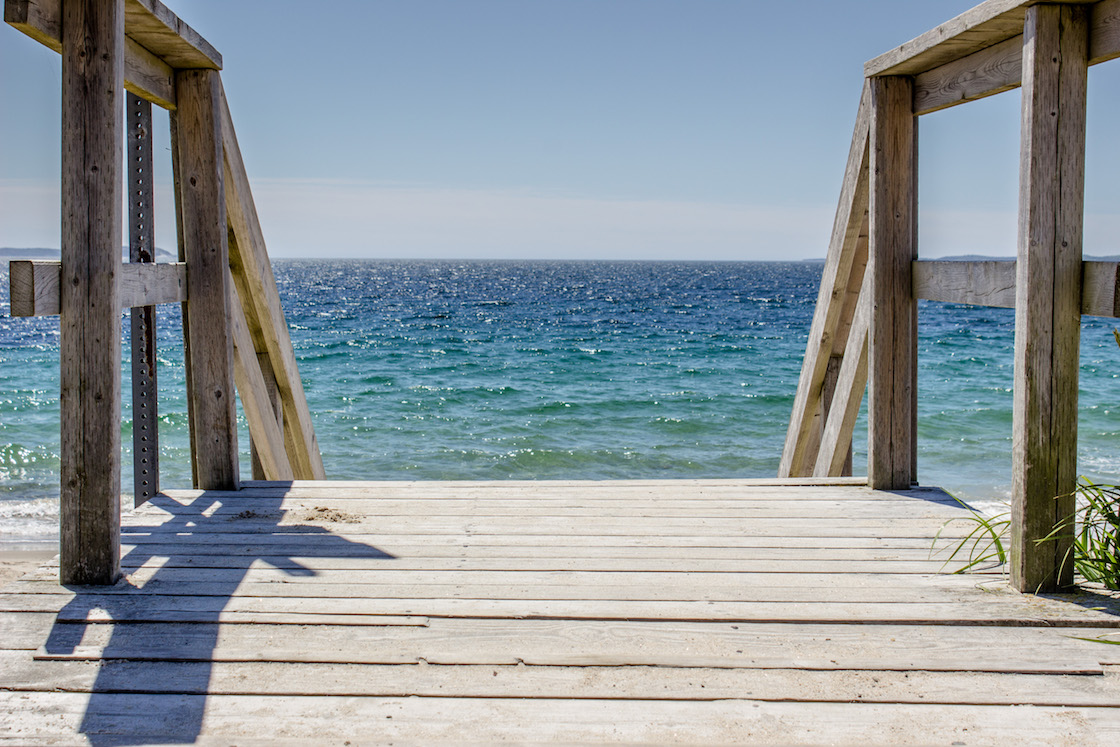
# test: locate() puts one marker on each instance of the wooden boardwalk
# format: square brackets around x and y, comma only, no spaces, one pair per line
[641,612]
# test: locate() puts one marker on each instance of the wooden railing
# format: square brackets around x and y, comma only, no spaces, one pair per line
[864,331]
[235,335]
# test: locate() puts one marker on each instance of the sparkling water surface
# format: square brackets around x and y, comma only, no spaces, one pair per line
[476,370]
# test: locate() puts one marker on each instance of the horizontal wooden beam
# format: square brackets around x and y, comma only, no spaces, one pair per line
[35,285]
[156,43]
[1000,67]
[976,29]
[146,74]
[993,284]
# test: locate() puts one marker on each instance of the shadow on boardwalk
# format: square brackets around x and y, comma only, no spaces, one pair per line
[165,618]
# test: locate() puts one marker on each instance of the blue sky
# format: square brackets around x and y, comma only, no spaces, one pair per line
[690,129]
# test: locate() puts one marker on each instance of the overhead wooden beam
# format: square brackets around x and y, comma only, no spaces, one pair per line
[90,324]
[849,223]
[978,28]
[256,285]
[993,284]
[202,202]
[1000,67]
[156,43]
[35,290]
[892,348]
[1048,294]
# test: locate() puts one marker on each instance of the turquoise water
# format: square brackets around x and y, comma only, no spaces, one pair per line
[562,370]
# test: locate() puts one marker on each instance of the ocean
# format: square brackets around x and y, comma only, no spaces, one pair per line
[541,370]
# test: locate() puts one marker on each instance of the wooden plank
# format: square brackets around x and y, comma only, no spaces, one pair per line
[264,364]
[796,457]
[976,29]
[1100,289]
[210,348]
[668,683]
[252,272]
[35,285]
[993,284]
[589,643]
[836,439]
[976,283]
[976,609]
[152,24]
[985,73]
[999,68]
[892,377]
[145,74]
[90,326]
[1104,33]
[1048,293]
[224,720]
[259,412]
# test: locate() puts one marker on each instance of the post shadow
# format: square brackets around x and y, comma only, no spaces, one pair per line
[123,707]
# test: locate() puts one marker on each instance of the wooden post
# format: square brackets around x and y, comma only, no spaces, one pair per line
[1048,292]
[203,216]
[90,321]
[892,248]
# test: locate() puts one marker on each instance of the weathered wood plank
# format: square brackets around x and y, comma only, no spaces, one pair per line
[1100,288]
[252,273]
[145,74]
[26,716]
[836,438]
[974,30]
[999,68]
[268,438]
[591,643]
[152,24]
[993,284]
[35,285]
[201,190]
[264,364]
[977,283]
[668,683]
[892,376]
[840,264]
[985,73]
[90,324]
[1048,292]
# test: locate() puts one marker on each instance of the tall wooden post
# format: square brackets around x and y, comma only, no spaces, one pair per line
[1048,292]
[199,179]
[90,319]
[892,375]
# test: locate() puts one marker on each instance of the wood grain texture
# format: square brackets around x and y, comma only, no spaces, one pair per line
[836,439]
[1048,292]
[976,29]
[35,285]
[292,624]
[203,214]
[1104,32]
[840,264]
[264,365]
[256,285]
[90,322]
[974,283]
[1100,289]
[985,73]
[156,42]
[266,432]
[892,376]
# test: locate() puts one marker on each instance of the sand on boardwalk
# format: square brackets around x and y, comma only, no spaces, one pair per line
[17,563]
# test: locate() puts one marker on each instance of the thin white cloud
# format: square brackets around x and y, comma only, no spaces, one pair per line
[331,218]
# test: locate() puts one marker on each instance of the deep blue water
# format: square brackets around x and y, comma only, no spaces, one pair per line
[562,370]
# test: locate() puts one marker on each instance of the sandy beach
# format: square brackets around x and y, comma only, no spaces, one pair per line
[17,563]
